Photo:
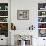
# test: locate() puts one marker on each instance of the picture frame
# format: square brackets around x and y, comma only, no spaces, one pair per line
[22,14]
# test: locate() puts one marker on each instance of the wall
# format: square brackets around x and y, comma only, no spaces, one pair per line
[21,5]
[32,6]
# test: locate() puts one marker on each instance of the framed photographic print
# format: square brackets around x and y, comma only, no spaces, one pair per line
[23,14]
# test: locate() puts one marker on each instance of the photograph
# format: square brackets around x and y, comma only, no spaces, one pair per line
[22,14]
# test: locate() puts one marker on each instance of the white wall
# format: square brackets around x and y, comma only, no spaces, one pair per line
[24,5]
[32,6]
